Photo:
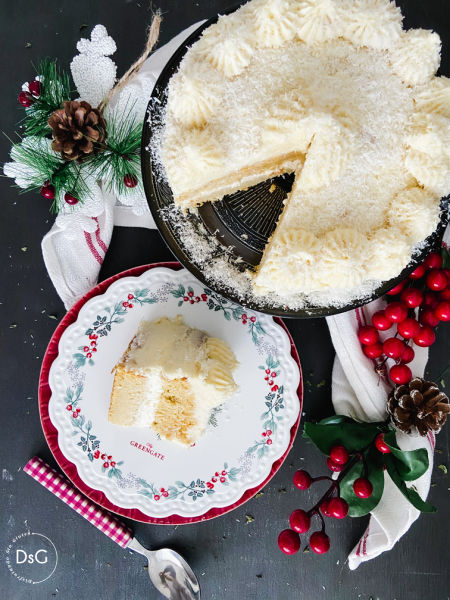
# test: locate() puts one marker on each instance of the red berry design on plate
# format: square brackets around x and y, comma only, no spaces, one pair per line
[34,88]
[380,321]
[400,374]
[368,335]
[300,521]
[209,485]
[214,479]
[269,432]
[437,280]
[433,261]
[319,542]
[393,347]
[275,388]
[125,304]
[109,457]
[78,410]
[264,434]
[267,371]
[273,374]
[397,289]
[191,301]
[289,541]
[428,317]
[96,454]
[204,297]
[130,305]
[224,472]
[88,355]
[418,272]
[253,319]
[396,311]
[130,181]
[185,298]
[412,297]
[93,336]
[302,479]
[86,349]
[425,337]
[373,351]
[69,407]
[190,294]
[407,355]
[269,442]
[442,311]
[197,298]
[338,508]
[103,456]
[339,454]
[74,414]
[93,343]
[408,328]
[270,382]
[157,497]
[223,479]
[106,465]
[362,487]
[165,494]
[113,463]
[335,467]
[130,296]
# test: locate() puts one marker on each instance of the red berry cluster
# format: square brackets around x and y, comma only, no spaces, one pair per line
[244,318]
[76,411]
[48,192]
[427,290]
[128,303]
[267,434]
[108,461]
[193,299]
[222,477]
[92,348]
[26,99]
[269,378]
[330,504]
[164,493]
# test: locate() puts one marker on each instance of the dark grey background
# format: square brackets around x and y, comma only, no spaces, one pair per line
[232,559]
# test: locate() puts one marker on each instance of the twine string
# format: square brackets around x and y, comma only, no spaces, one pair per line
[153,35]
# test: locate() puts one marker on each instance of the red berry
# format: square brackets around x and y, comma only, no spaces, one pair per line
[275,388]
[324,509]
[106,465]
[339,454]
[412,297]
[437,280]
[165,494]
[86,349]
[368,335]
[224,472]
[289,541]
[130,305]
[35,88]
[156,497]
[264,434]
[69,199]
[74,414]
[93,336]
[400,374]
[270,382]
[93,343]
[393,347]
[408,328]
[362,487]
[103,456]
[109,457]
[269,442]
[78,410]
[273,374]
[96,454]
[244,321]
[130,296]
[373,351]
[429,318]
[425,337]
[223,479]
[418,272]
[338,507]
[244,316]
[381,444]
[48,192]
[445,294]
[433,261]
[130,181]
[253,319]
[267,371]
[89,355]
[125,304]
[69,407]
[185,298]
[191,301]
[335,467]
[442,311]
[396,311]
[380,321]
[319,542]
[190,294]
[302,479]
[269,432]
[397,289]
[197,298]
[204,297]
[300,521]
[113,464]
[407,355]
[25,99]
[214,479]
[431,299]
[94,349]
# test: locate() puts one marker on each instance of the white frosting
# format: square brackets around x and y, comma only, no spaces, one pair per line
[272,23]
[415,212]
[388,254]
[372,23]
[342,259]
[197,103]
[434,97]
[416,56]
[317,21]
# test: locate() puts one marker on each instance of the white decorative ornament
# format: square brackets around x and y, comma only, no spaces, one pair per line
[93,72]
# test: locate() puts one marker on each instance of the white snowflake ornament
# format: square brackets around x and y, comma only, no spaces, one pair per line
[93,72]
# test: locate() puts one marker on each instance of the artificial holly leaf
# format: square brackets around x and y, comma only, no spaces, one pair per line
[358,507]
[411,464]
[351,434]
[409,493]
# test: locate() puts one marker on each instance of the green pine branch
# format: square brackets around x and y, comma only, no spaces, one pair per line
[55,89]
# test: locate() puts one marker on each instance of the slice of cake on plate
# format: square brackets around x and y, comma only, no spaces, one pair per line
[170,378]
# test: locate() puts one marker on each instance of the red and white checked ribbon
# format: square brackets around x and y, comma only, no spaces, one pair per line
[61,487]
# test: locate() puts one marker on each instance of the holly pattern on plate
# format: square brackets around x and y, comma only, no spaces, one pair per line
[103,324]
[218,303]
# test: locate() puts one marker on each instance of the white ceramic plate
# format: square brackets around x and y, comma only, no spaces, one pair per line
[132,466]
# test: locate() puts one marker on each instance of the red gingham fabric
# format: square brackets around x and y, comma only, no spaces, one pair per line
[65,491]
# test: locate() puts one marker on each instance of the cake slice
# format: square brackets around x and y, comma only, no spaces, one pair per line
[170,378]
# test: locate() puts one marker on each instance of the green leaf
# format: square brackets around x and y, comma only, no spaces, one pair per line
[410,464]
[357,507]
[409,493]
[354,435]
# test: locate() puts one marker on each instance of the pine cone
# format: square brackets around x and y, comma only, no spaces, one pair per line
[419,404]
[77,129]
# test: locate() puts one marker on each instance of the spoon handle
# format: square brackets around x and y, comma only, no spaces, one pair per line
[61,487]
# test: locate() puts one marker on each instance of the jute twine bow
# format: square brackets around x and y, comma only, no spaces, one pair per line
[153,35]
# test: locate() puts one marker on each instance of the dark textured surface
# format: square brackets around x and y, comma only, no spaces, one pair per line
[231,558]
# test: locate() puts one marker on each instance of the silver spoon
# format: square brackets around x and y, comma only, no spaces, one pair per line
[168,571]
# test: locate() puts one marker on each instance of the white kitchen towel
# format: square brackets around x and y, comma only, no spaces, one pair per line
[76,245]
[357,391]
